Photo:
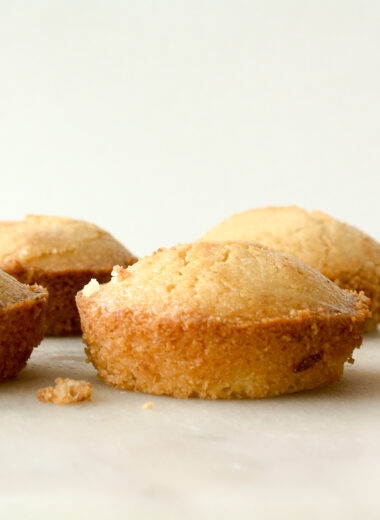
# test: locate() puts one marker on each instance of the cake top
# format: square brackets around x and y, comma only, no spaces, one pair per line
[314,237]
[223,280]
[54,243]
[12,291]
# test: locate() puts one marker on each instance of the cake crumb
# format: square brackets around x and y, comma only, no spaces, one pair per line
[66,391]
[91,288]
[147,406]
[118,274]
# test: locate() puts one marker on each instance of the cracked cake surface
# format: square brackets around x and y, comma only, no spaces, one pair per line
[220,320]
[343,253]
[55,243]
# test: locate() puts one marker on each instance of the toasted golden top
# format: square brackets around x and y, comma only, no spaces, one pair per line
[12,291]
[315,238]
[227,280]
[55,243]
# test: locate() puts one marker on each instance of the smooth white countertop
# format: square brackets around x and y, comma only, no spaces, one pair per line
[305,455]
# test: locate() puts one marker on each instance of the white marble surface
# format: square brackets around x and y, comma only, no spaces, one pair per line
[309,455]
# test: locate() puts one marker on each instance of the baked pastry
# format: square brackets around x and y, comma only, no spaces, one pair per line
[22,323]
[220,320]
[347,256]
[62,255]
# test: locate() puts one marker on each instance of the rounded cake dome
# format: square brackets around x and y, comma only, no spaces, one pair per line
[228,319]
[55,243]
[344,254]
[61,254]
[239,280]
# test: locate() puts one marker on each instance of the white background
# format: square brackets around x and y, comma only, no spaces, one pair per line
[157,119]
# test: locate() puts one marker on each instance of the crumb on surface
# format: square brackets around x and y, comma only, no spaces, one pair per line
[147,406]
[66,391]
[117,273]
[91,288]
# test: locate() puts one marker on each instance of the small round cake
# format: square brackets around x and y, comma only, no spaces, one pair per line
[22,323]
[345,255]
[220,320]
[62,255]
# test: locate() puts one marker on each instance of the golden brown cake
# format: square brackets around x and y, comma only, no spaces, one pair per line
[62,255]
[347,256]
[22,323]
[220,320]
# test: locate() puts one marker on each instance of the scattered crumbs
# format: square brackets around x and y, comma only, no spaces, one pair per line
[65,391]
[147,406]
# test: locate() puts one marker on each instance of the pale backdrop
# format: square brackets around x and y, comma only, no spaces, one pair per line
[156,119]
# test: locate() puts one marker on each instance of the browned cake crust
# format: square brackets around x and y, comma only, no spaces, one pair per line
[63,317]
[22,327]
[160,327]
[62,255]
[369,286]
[211,359]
